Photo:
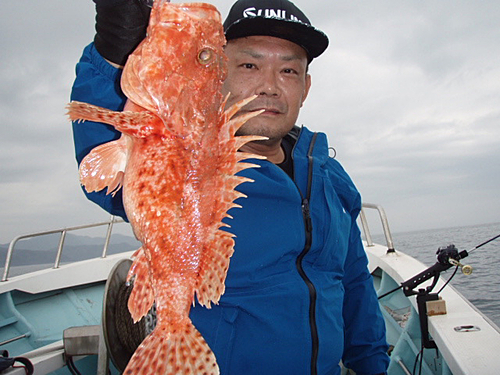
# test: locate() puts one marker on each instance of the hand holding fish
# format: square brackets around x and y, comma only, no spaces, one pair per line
[120,27]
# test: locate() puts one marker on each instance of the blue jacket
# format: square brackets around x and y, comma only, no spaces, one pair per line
[298,286]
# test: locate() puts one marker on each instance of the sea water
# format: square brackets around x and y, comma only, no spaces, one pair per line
[482,287]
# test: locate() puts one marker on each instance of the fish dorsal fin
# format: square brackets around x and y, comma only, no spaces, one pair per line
[219,249]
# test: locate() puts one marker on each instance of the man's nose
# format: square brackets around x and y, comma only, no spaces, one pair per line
[268,84]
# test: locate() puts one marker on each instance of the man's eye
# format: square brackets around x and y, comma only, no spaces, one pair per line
[289,71]
[248,65]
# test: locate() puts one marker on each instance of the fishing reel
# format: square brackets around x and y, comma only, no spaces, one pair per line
[450,255]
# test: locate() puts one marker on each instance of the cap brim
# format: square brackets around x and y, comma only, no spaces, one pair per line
[308,37]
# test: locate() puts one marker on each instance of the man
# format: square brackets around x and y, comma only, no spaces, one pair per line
[299,298]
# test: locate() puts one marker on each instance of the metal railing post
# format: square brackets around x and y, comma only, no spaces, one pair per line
[366,228]
[385,225]
[59,249]
[9,258]
[108,238]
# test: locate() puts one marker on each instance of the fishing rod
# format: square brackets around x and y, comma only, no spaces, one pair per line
[447,257]
[484,243]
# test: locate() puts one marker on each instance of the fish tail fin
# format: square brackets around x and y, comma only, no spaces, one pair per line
[104,166]
[142,296]
[168,350]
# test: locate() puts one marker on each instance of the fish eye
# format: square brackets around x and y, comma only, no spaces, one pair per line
[205,56]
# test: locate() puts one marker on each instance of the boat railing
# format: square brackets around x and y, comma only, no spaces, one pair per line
[384,222]
[60,246]
[113,220]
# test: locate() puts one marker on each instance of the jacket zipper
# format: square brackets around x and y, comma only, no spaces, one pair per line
[306,214]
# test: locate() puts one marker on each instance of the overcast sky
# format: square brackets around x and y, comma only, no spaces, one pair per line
[408,93]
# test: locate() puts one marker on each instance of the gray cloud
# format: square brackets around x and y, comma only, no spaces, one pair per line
[407,93]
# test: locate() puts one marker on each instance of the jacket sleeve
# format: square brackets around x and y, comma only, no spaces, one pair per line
[365,346]
[98,83]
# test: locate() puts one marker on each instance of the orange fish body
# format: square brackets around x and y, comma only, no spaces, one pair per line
[176,160]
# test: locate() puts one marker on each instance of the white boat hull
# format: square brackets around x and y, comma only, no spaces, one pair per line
[37,308]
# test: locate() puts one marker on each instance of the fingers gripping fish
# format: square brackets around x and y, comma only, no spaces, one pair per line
[176,160]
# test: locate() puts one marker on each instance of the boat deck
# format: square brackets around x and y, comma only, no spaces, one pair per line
[36,308]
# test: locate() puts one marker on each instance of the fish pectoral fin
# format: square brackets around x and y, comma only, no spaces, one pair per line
[104,166]
[138,124]
[142,296]
[173,349]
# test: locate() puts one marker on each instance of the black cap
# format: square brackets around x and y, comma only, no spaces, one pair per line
[278,18]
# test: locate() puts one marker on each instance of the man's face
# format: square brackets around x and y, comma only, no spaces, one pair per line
[275,70]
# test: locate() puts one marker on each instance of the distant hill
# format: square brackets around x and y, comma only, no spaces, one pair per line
[43,249]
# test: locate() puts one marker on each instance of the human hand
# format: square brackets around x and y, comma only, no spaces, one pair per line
[120,27]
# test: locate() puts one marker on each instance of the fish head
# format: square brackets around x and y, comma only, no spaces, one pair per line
[180,65]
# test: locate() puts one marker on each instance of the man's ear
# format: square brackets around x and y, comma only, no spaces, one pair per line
[306,89]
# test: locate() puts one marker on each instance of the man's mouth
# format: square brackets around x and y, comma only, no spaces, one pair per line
[268,108]
[270,111]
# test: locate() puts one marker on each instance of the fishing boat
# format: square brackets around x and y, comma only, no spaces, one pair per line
[71,318]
